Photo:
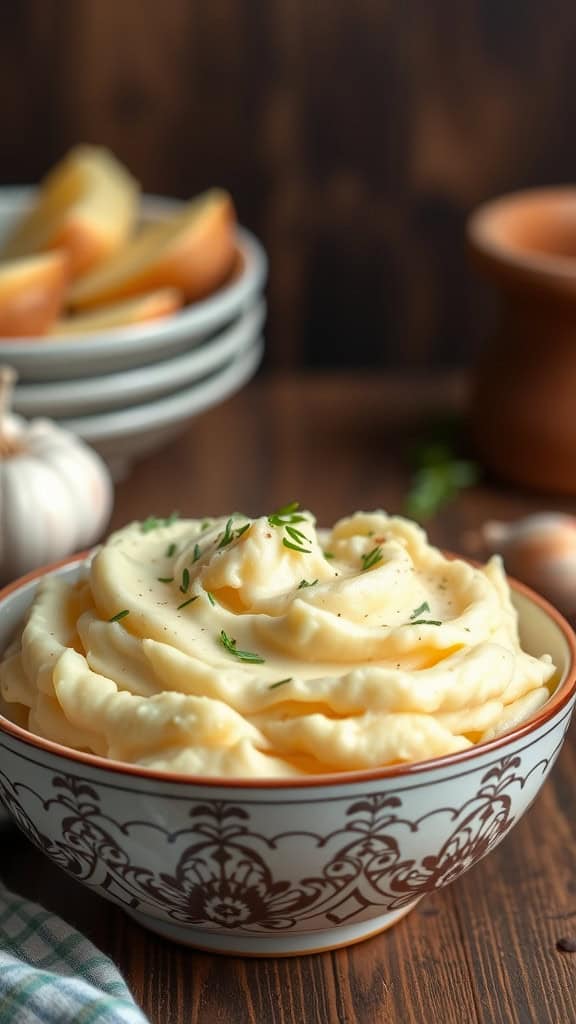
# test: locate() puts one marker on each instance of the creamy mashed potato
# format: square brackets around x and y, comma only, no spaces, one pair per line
[266,648]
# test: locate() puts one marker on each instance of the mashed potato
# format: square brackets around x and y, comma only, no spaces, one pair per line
[266,648]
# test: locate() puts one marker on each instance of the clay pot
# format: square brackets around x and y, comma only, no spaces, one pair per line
[523,404]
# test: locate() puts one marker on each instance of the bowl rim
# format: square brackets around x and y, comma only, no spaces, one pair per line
[559,699]
[487,243]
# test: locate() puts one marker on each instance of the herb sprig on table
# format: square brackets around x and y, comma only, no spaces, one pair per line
[440,471]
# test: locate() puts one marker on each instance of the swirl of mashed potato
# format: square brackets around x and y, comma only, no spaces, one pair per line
[242,647]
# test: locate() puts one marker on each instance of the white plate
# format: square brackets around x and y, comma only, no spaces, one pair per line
[123,347]
[123,436]
[114,390]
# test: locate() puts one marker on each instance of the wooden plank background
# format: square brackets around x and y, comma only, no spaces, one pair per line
[354,134]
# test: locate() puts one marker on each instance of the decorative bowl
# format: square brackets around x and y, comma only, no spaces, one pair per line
[280,867]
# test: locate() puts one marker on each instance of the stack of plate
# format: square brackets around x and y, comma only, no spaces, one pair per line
[127,391]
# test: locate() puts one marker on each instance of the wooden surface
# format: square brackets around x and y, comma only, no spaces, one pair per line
[482,950]
[355,137]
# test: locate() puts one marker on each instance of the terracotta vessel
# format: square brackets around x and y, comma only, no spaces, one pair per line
[523,405]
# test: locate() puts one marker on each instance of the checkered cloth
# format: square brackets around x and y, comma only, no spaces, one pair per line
[51,974]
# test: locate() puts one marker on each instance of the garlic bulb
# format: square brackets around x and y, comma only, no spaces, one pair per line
[55,491]
[540,550]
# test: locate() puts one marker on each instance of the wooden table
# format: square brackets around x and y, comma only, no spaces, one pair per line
[482,950]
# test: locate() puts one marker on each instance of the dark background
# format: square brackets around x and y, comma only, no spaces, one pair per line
[355,136]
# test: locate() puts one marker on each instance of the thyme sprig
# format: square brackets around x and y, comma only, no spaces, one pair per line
[197,553]
[185,585]
[287,515]
[424,622]
[229,534]
[281,682]
[165,579]
[211,598]
[187,602]
[120,615]
[371,559]
[285,518]
[306,583]
[424,607]
[230,645]
[155,522]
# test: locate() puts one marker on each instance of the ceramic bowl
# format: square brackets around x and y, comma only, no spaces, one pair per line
[121,348]
[280,868]
[122,436]
[88,396]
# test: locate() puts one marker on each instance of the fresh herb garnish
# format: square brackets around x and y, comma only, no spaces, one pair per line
[371,559]
[165,579]
[227,535]
[296,547]
[306,583]
[150,523]
[424,607]
[120,615]
[154,523]
[205,524]
[288,514]
[170,550]
[185,585]
[197,553]
[241,530]
[280,683]
[210,597]
[189,601]
[424,622]
[230,645]
[328,555]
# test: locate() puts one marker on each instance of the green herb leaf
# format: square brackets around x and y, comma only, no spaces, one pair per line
[424,607]
[170,550]
[197,553]
[287,514]
[150,523]
[205,524]
[424,622]
[328,555]
[185,585]
[165,579]
[189,601]
[241,530]
[227,535]
[230,645]
[210,597]
[280,682]
[296,547]
[153,522]
[371,559]
[120,615]
[306,583]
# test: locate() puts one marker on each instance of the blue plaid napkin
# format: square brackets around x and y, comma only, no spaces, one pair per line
[51,974]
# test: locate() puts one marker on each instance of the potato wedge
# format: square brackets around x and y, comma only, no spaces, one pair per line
[193,251]
[149,306]
[87,205]
[31,294]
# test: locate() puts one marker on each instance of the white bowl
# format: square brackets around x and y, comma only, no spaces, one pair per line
[123,347]
[115,390]
[125,435]
[280,867]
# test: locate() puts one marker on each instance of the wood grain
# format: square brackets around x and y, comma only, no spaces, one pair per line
[482,951]
[355,138]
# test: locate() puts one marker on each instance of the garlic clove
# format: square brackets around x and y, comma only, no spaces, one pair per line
[539,550]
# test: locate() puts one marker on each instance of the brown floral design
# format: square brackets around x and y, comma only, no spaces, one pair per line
[224,876]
